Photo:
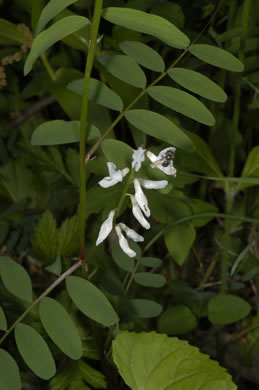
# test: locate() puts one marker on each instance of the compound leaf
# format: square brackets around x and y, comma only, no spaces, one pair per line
[159,127]
[52,9]
[216,56]
[91,301]
[35,351]
[99,93]
[9,372]
[60,132]
[147,23]
[143,55]
[125,69]
[198,83]
[60,327]
[15,278]
[53,34]
[182,102]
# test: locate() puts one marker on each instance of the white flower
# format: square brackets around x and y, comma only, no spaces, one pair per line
[124,243]
[153,184]
[106,228]
[115,176]
[138,157]
[130,233]
[141,198]
[164,161]
[138,213]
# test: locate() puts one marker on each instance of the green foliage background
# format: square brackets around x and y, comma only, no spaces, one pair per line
[191,83]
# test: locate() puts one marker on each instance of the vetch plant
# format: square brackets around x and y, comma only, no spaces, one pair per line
[164,161]
[137,90]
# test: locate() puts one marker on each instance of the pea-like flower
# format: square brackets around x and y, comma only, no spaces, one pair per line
[124,243]
[164,161]
[136,210]
[115,177]
[106,228]
[153,184]
[130,233]
[141,198]
[138,157]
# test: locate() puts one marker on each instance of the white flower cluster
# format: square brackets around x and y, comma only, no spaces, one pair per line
[164,162]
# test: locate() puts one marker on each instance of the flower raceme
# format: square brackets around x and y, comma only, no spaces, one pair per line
[164,162]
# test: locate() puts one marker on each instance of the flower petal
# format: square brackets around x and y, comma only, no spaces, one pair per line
[153,184]
[130,233]
[106,228]
[115,176]
[138,213]
[124,243]
[152,157]
[111,168]
[138,157]
[141,198]
[164,161]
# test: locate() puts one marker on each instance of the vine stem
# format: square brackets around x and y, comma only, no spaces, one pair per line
[44,294]
[232,155]
[83,121]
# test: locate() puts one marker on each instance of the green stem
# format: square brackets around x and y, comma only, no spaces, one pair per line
[48,67]
[124,192]
[44,294]
[83,121]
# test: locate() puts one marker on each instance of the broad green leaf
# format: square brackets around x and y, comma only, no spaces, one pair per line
[251,168]
[147,23]
[124,68]
[91,301]
[53,34]
[160,127]
[149,279]
[9,372]
[121,259]
[142,308]
[143,54]
[56,267]
[99,93]
[3,322]
[216,56]
[182,102]
[150,261]
[151,361]
[45,241]
[118,152]
[35,351]
[15,278]
[177,320]
[59,132]
[10,34]
[50,11]
[198,83]
[179,240]
[60,327]
[227,309]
